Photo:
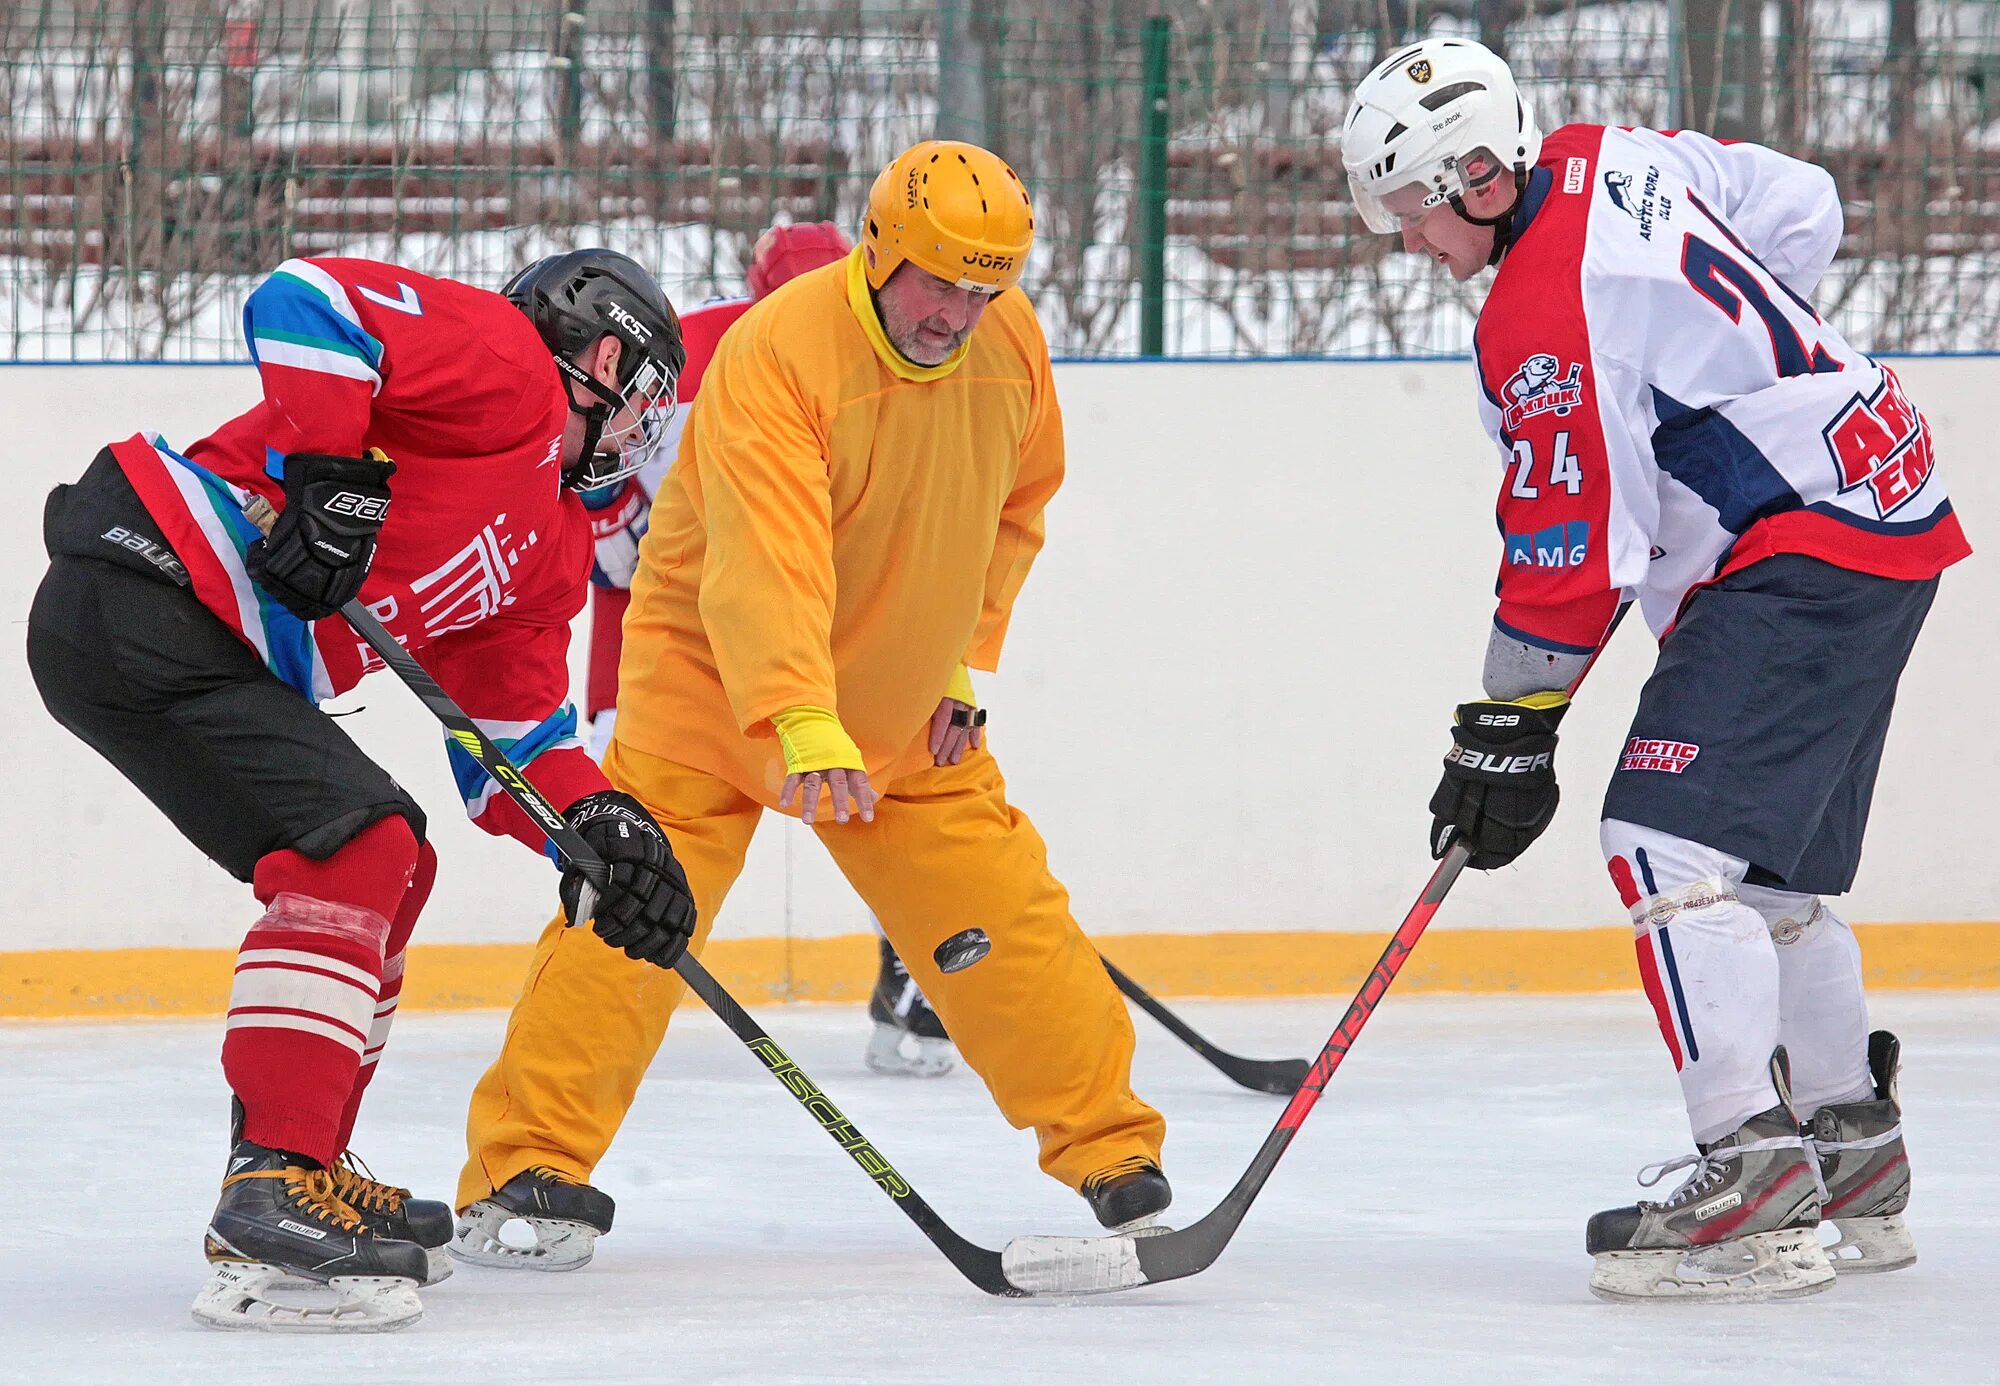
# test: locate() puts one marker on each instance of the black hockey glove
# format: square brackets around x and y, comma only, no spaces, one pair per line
[647,909]
[1499,786]
[316,556]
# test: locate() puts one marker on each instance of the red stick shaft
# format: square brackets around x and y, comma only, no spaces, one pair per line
[1376,985]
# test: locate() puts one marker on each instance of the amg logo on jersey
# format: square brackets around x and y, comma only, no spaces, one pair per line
[1558,546]
[1641,753]
[1534,389]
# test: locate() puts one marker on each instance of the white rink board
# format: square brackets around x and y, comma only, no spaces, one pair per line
[1426,1226]
[1224,695]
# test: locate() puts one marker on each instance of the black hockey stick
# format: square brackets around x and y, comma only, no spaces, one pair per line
[1093,1265]
[1280,1076]
[976,1263]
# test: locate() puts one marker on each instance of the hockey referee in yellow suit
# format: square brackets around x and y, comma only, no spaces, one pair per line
[857,500]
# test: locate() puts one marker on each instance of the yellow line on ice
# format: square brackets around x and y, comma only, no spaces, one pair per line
[86,983]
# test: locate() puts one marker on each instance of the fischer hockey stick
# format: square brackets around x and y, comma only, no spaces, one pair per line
[1280,1076]
[1095,1265]
[976,1263]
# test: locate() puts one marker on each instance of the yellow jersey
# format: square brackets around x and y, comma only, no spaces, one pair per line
[841,529]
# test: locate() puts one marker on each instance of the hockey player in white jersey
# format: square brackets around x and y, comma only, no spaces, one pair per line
[1678,427]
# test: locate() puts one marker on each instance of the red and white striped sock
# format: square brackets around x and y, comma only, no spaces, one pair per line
[308,979]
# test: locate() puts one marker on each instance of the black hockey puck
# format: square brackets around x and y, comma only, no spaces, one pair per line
[962,950]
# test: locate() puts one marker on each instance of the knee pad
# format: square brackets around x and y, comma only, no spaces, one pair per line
[372,869]
[1659,875]
[1791,917]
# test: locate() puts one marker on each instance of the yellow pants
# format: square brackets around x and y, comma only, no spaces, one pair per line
[1038,1018]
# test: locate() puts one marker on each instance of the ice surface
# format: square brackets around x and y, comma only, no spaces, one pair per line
[1426,1226]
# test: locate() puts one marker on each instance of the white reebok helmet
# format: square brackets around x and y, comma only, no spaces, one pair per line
[1429,125]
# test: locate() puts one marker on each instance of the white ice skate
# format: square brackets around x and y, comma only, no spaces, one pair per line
[255,1295]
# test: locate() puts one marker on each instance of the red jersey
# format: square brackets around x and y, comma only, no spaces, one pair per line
[484,556]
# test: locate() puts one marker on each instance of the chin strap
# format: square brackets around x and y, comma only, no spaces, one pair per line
[1503,224]
[594,416]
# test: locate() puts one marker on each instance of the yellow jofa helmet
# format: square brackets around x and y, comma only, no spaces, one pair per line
[953,209]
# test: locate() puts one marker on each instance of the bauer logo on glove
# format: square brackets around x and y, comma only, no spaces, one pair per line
[1499,786]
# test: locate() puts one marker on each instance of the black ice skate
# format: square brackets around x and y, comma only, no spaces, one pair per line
[565,1217]
[392,1210]
[1742,1227]
[1865,1170]
[909,1039]
[1129,1195]
[286,1254]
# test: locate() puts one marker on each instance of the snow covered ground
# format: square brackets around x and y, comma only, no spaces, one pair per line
[1426,1226]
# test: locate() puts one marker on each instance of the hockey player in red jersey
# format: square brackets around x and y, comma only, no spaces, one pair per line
[908,1039]
[423,443]
[1679,428]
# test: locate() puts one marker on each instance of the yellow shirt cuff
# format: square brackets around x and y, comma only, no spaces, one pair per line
[959,689]
[814,740]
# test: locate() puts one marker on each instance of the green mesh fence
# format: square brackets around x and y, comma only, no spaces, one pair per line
[157,156]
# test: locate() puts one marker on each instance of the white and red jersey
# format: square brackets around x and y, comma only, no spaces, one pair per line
[1668,405]
[484,556]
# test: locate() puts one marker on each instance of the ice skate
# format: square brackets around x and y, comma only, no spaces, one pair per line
[909,1039]
[564,1216]
[425,1221]
[287,1255]
[1129,1197]
[1743,1226]
[1865,1171]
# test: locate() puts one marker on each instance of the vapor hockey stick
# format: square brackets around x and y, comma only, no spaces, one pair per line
[1094,1265]
[1280,1076]
[976,1263]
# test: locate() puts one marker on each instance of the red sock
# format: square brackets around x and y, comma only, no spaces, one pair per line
[307,980]
[392,986]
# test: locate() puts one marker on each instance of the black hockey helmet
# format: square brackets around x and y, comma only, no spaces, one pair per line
[579,296]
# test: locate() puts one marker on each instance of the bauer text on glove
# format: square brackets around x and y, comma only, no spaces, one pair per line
[317,554]
[1499,787]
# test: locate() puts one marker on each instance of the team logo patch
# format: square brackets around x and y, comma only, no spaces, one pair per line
[1672,757]
[1576,173]
[1420,71]
[1535,389]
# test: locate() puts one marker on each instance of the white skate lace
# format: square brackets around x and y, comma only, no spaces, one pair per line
[1709,1167]
[1817,1149]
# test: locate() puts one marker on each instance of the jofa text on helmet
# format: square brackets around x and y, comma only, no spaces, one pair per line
[986,259]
